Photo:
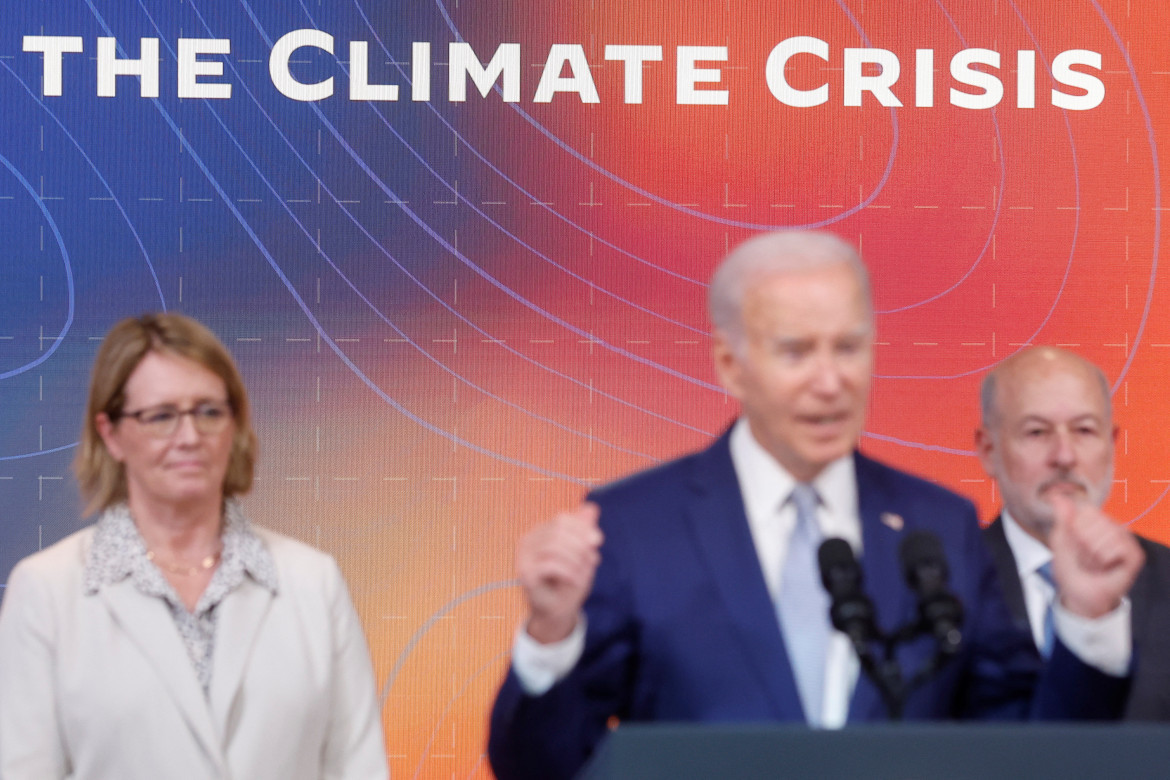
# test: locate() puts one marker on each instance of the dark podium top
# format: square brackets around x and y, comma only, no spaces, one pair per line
[901,752]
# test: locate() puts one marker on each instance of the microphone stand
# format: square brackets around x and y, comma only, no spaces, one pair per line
[851,612]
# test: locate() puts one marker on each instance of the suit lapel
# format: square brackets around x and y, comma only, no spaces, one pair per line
[1009,574]
[149,625]
[719,522]
[882,530]
[241,616]
[1144,595]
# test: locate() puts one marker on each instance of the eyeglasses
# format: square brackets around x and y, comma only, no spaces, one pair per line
[161,422]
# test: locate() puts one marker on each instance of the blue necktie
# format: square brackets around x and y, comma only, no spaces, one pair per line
[804,605]
[1045,573]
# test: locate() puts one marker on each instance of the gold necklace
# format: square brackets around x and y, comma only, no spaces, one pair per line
[208,562]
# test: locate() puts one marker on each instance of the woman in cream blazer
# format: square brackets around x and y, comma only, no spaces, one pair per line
[100,686]
[171,639]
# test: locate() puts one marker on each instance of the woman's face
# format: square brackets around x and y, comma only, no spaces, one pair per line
[187,466]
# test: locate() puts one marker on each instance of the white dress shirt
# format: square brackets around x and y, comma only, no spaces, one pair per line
[1104,643]
[765,487]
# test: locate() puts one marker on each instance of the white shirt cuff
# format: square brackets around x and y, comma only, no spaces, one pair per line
[539,667]
[1105,643]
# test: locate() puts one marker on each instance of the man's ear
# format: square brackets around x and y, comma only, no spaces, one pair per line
[985,449]
[727,366]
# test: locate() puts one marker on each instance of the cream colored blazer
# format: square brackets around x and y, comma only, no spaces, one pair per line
[100,686]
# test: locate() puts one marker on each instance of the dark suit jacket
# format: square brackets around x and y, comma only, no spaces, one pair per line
[681,626]
[1149,697]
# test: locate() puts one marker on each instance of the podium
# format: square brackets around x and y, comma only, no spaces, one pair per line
[893,752]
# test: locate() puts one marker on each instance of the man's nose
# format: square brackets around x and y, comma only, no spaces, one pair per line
[1063,452]
[827,375]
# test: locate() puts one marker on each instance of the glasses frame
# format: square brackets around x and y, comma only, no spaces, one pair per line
[205,424]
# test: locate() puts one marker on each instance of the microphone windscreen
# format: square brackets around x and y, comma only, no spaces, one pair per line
[922,552]
[835,557]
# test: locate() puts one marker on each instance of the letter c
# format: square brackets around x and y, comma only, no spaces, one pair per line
[778,58]
[278,65]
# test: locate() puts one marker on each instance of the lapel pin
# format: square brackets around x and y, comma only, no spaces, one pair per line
[892,521]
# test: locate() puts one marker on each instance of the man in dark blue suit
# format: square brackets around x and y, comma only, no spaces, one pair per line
[689,592]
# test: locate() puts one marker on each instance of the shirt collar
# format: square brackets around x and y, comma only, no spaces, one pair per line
[1029,552]
[765,484]
[118,551]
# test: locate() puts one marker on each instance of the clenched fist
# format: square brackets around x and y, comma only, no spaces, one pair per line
[1094,560]
[555,563]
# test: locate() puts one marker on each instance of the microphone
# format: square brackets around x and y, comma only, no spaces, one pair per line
[852,611]
[926,571]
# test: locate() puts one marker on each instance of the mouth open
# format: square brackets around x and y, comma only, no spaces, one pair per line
[827,426]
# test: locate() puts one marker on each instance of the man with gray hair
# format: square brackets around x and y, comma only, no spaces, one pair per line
[1047,438]
[690,592]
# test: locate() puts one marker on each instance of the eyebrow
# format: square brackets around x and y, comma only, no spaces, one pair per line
[1089,416]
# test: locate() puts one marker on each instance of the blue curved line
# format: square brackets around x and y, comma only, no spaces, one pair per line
[329,261]
[491,280]
[68,271]
[41,452]
[461,198]
[1071,252]
[400,408]
[430,622]
[1157,176]
[106,185]
[451,703]
[1157,227]
[1137,88]
[337,350]
[998,202]
[1148,509]
[480,272]
[915,445]
[500,171]
[427,355]
[694,212]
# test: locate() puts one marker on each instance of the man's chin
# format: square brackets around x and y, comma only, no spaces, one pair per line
[1038,522]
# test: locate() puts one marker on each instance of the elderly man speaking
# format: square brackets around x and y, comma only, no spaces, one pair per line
[690,592]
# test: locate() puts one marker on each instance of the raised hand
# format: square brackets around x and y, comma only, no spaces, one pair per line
[555,563]
[1094,560]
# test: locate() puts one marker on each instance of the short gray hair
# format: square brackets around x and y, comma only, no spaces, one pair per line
[772,253]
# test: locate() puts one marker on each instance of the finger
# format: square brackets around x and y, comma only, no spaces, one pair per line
[574,542]
[1061,539]
[551,548]
[575,560]
[1064,510]
[1101,541]
[557,579]
[582,523]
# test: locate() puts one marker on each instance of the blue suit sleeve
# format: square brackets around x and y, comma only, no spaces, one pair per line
[553,735]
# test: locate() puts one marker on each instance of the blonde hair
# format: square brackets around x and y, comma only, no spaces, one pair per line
[101,477]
